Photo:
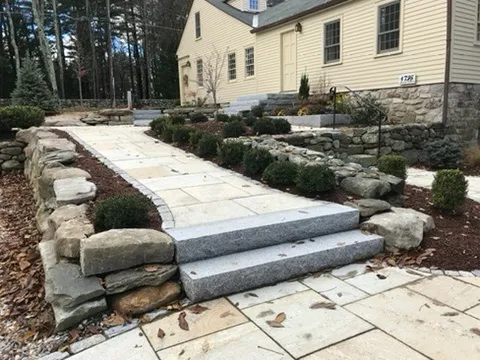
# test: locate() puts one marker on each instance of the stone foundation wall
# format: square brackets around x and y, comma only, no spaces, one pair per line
[11,156]
[464,111]
[407,140]
[106,103]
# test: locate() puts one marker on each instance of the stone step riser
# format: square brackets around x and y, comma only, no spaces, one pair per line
[239,272]
[253,232]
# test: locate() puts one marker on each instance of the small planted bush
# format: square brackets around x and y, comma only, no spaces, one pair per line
[264,126]
[234,129]
[315,179]
[256,161]
[471,157]
[120,212]
[443,153]
[176,120]
[223,118]
[181,134]
[449,189]
[235,118]
[250,120]
[282,126]
[198,118]
[195,137]
[395,165]
[280,173]
[156,125]
[167,133]
[257,111]
[21,117]
[207,145]
[231,153]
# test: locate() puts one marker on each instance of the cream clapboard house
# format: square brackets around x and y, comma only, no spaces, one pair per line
[421,57]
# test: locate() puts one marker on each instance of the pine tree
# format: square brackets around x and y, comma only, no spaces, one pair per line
[31,88]
[304,91]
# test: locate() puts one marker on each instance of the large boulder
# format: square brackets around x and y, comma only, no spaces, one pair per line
[28,135]
[428,222]
[10,165]
[69,234]
[368,188]
[369,207]
[66,213]
[143,300]
[65,318]
[115,112]
[401,231]
[65,286]
[48,177]
[73,191]
[124,248]
[396,184]
[94,119]
[150,275]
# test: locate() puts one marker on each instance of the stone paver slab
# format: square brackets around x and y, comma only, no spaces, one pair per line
[194,168]
[475,280]
[130,345]
[176,198]
[350,271]
[219,316]
[422,324]
[150,172]
[268,293]
[240,342]
[180,182]
[475,312]
[306,330]
[449,291]
[336,290]
[373,345]
[373,284]
[246,185]
[262,204]
[216,192]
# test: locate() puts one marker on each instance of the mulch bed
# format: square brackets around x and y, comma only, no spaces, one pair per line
[466,169]
[108,182]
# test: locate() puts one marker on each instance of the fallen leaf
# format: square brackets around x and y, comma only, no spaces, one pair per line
[252,295]
[325,297]
[144,319]
[452,313]
[114,320]
[225,314]
[160,333]
[74,335]
[339,294]
[381,277]
[175,306]
[24,264]
[182,352]
[198,309]
[280,317]
[476,331]
[340,243]
[282,255]
[323,305]
[151,268]
[277,323]
[193,273]
[391,262]
[182,323]
[274,324]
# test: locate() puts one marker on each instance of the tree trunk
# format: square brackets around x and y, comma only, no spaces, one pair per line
[38,14]
[130,63]
[136,55]
[59,43]
[110,54]
[80,90]
[146,51]
[92,45]
[12,39]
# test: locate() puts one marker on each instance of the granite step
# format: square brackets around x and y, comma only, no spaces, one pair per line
[235,235]
[208,279]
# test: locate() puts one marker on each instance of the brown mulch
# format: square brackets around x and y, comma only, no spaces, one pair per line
[21,272]
[108,182]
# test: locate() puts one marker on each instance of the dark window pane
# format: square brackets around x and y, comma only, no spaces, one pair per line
[332,42]
[389,27]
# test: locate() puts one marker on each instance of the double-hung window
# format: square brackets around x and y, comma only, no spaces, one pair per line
[478,21]
[249,62]
[332,42]
[198,29]
[200,72]
[253,4]
[232,67]
[388,27]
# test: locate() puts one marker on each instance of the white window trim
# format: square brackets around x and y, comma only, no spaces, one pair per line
[195,25]
[228,67]
[251,8]
[378,5]
[340,60]
[248,77]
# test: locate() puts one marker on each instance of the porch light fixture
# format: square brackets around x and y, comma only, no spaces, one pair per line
[298,27]
[188,64]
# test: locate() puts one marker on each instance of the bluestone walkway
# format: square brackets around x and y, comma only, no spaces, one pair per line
[424,178]
[195,191]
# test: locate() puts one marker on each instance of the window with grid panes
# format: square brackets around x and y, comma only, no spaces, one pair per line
[389,27]
[232,67]
[253,4]
[249,62]
[332,42]
[200,72]
[198,29]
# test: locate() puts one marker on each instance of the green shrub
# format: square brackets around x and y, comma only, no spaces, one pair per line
[198,118]
[21,117]
[471,156]
[176,120]
[223,118]
[443,153]
[368,111]
[257,111]
[304,91]
[395,165]
[235,118]
[207,146]
[449,189]
[181,134]
[263,126]
[234,129]
[156,125]
[282,126]
[250,120]
[195,137]
[120,212]
[256,161]
[315,179]
[167,133]
[231,153]
[280,173]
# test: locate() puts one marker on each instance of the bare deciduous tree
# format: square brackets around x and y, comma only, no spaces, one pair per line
[12,38]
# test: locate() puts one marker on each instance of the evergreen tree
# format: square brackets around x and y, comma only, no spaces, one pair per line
[304,91]
[31,88]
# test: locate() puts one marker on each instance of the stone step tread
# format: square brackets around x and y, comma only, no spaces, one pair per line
[242,271]
[251,232]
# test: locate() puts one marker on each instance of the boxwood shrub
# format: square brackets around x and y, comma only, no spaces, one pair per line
[256,161]
[195,136]
[198,118]
[315,179]
[234,129]
[181,134]
[21,117]
[250,120]
[395,165]
[257,111]
[449,189]
[282,126]
[120,212]
[223,118]
[207,145]
[231,153]
[280,173]
[263,126]
[176,120]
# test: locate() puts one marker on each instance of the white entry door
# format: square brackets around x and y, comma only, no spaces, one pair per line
[289,61]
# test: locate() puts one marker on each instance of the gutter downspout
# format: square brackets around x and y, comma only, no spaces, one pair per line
[446,82]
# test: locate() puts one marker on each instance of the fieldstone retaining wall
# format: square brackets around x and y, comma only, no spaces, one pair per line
[81,267]
[106,103]
[11,156]
[352,144]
